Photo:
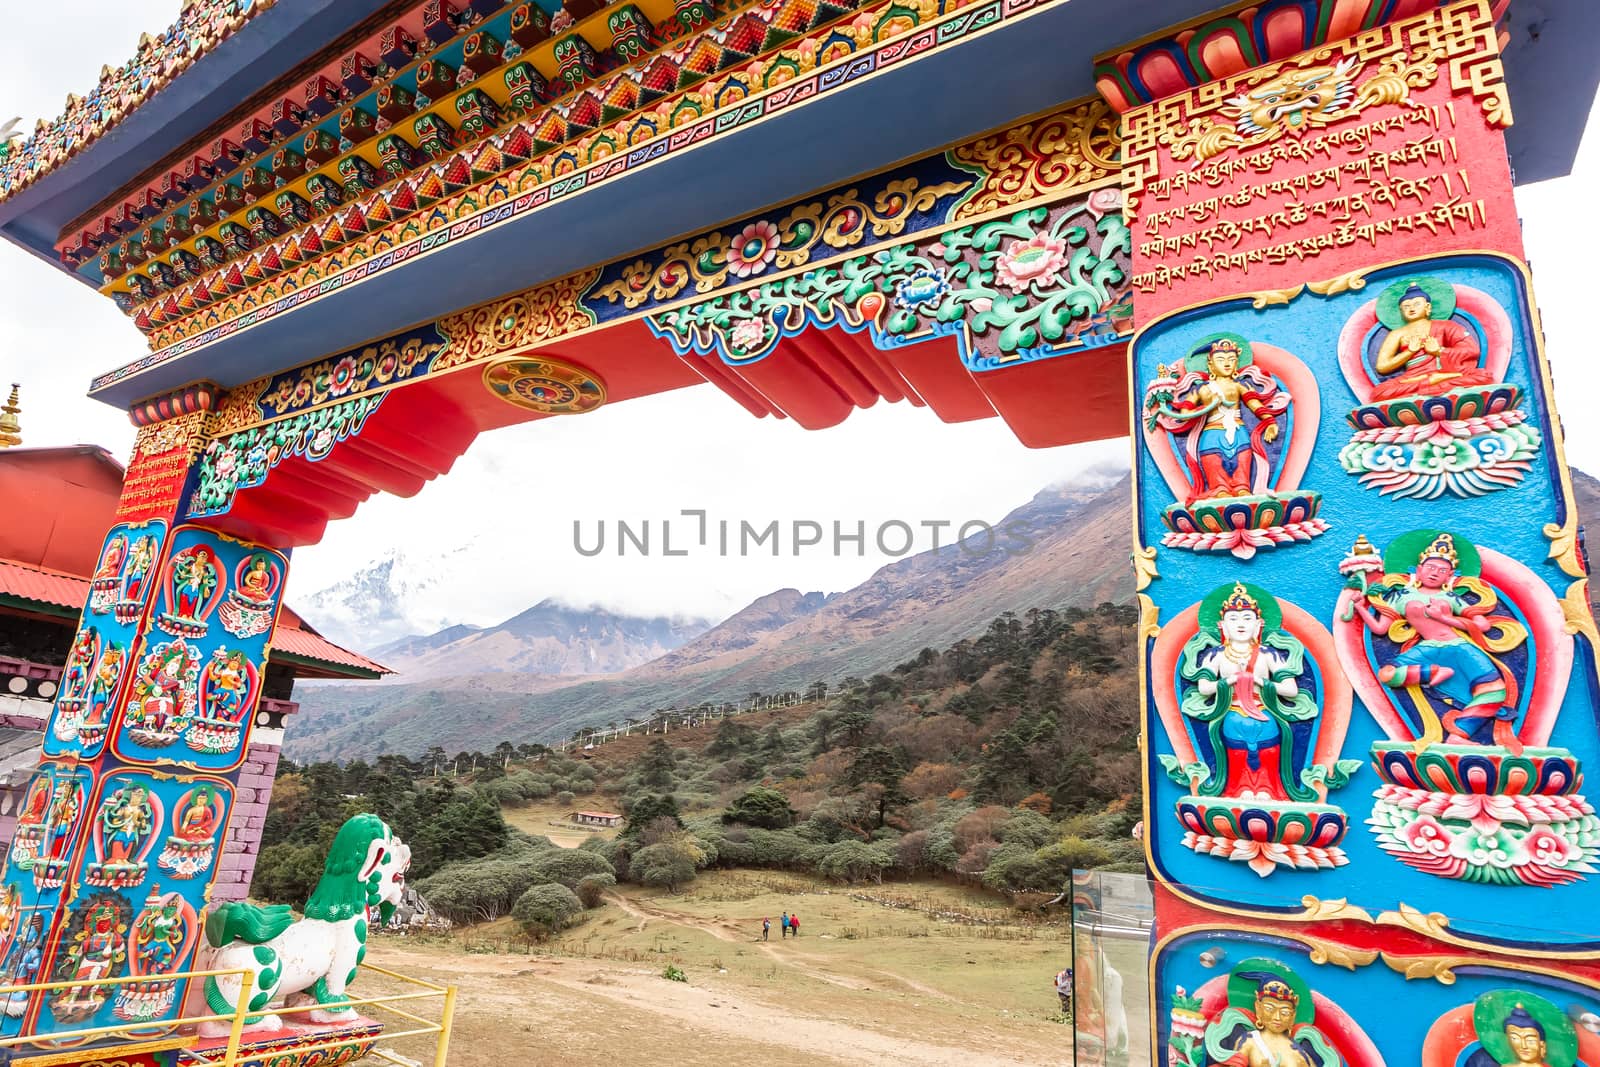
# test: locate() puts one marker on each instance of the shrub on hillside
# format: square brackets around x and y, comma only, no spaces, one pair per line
[505,791]
[855,861]
[1039,802]
[565,797]
[928,780]
[761,807]
[1016,868]
[592,889]
[1029,829]
[668,863]
[645,809]
[546,909]
[483,890]
[569,866]
[981,825]
[287,873]
[911,852]
[1077,853]
[975,860]
[784,848]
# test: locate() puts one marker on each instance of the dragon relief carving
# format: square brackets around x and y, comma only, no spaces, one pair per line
[1304,98]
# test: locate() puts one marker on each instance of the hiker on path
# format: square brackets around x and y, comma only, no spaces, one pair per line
[785,931]
[1064,990]
[794,925]
[766,928]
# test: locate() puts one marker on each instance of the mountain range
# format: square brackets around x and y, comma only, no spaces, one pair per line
[549,638]
[554,669]
[463,687]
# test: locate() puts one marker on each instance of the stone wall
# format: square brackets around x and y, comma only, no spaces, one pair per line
[238,862]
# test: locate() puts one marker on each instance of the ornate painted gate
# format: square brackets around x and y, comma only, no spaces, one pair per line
[1279,248]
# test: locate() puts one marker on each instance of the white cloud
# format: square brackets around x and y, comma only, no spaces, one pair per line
[518,491]
[497,531]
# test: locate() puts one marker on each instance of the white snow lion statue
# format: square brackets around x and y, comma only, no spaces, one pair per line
[313,960]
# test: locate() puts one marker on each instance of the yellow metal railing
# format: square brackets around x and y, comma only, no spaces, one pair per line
[42,1048]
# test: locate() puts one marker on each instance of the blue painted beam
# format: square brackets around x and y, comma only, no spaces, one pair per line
[1018,68]
[1553,71]
[264,49]
[903,112]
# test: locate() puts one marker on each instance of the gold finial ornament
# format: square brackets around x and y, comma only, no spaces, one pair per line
[10,427]
[1443,547]
[1240,600]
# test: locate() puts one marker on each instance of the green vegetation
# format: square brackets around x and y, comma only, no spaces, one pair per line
[1005,761]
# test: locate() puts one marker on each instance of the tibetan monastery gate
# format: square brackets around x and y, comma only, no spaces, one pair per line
[1276,244]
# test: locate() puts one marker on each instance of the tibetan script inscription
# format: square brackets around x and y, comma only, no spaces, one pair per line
[1360,152]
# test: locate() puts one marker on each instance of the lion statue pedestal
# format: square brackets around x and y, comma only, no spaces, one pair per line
[312,960]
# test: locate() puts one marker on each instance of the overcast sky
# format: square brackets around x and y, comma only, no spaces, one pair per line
[496,534]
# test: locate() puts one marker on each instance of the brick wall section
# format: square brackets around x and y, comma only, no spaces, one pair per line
[237,863]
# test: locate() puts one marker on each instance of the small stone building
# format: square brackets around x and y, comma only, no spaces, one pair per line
[596,818]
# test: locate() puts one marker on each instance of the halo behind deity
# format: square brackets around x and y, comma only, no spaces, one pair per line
[1489,1014]
[1242,990]
[1405,552]
[1197,357]
[1211,607]
[1441,294]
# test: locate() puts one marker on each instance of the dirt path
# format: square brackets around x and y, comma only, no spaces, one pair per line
[716,1014]
[809,964]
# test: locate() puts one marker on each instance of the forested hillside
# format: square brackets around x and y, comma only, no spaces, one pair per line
[1008,759]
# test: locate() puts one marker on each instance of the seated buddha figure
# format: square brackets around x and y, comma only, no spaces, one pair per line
[1425,356]
[1526,1037]
[257,582]
[1276,1029]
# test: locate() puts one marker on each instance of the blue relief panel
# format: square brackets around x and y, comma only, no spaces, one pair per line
[197,675]
[51,824]
[1379,693]
[98,660]
[150,846]
[1240,999]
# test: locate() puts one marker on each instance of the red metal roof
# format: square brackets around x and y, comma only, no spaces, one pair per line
[310,645]
[39,585]
[53,589]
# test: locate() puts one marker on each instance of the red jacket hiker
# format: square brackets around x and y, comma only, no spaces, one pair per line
[794,925]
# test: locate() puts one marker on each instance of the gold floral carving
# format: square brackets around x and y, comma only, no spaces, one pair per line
[170,435]
[1319,910]
[1344,283]
[238,408]
[516,323]
[1064,151]
[1575,608]
[1462,37]
[1432,924]
[1149,618]
[1270,297]
[1440,968]
[807,232]
[1563,539]
[1326,952]
[1144,567]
